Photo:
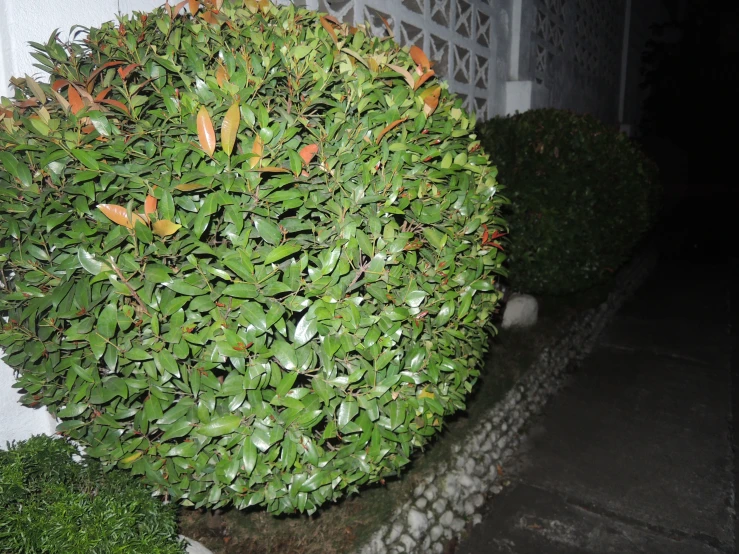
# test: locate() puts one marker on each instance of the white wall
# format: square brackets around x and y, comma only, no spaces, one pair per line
[22,21]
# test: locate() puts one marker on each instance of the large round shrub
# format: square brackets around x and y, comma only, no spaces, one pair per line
[582,195]
[246,253]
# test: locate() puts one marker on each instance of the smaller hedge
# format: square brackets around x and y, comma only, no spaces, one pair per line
[49,503]
[582,195]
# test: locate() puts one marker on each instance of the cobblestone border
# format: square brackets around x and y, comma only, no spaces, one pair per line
[452,494]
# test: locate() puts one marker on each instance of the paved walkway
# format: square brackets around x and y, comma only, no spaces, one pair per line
[635,456]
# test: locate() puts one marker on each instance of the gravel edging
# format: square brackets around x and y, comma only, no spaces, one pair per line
[453,493]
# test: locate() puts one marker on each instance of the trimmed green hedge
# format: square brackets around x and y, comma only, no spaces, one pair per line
[582,195]
[245,251]
[49,503]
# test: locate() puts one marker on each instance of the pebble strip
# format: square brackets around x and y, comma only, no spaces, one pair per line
[453,493]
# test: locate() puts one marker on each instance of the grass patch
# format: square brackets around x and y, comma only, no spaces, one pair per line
[341,527]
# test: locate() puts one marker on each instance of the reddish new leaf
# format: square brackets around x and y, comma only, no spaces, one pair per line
[418,56]
[389,128]
[150,205]
[120,105]
[178,8]
[75,101]
[206,133]
[425,77]
[308,152]
[326,23]
[102,94]
[257,149]
[125,71]
[119,214]
[430,100]
[106,65]
[221,75]
[229,128]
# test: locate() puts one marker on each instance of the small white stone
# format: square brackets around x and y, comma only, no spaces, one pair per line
[469,508]
[194,547]
[407,542]
[417,523]
[440,505]
[452,488]
[418,491]
[421,502]
[438,548]
[476,519]
[458,524]
[522,310]
[447,518]
[468,484]
[478,500]
[395,533]
[436,532]
[430,492]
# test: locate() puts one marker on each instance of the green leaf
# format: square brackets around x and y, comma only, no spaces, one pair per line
[71,410]
[255,315]
[181,287]
[166,362]
[286,383]
[84,373]
[86,158]
[241,290]
[306,329]
[176,430]
[415,298]
[89,263]
[285,354]
[280,252]
[184,450]
[268,230]
[108,321]
[436,238]
[220,426]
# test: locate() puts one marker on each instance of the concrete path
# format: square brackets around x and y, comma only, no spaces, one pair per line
[635,456]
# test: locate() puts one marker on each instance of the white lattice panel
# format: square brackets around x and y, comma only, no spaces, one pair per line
[584,31]
[458,35]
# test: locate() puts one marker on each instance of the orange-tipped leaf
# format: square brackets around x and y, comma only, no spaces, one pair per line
[150,205]
[430,100]
[165,227]
[418,56]
[206,133]
[389,128]
[229,128]
[308,152]
[119,214]
[257,149]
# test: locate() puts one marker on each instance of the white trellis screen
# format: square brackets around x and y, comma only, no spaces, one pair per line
[576,53]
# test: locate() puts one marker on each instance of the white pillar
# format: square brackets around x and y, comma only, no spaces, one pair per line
[514,60]
[518,94]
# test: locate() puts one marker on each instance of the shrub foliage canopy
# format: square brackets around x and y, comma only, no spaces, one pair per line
[247,252]
[582,195]
[51,504]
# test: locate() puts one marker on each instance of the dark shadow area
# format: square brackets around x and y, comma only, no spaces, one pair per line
[691,73]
